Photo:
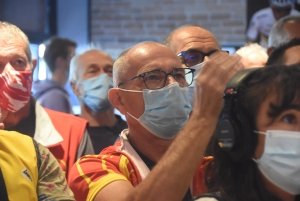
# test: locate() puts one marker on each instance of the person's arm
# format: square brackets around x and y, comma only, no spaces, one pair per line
[52,184]
[171,177]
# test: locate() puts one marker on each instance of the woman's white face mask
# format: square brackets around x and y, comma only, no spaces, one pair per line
[280,162]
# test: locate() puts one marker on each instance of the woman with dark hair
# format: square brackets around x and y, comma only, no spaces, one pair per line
[257,142]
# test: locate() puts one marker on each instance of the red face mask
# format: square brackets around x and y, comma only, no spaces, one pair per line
[15,89]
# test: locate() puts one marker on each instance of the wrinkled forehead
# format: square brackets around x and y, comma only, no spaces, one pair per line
[151,57]
[13,45]
[94,56]
[194,38]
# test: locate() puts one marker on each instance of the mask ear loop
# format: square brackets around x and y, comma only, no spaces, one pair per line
[258,132]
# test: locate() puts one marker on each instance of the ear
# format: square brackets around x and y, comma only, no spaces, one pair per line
[75,88]
[34,62]
[115,98]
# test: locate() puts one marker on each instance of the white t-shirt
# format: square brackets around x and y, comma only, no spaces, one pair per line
[261,24]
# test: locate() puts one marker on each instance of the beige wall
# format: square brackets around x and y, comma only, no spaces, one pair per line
[119,24]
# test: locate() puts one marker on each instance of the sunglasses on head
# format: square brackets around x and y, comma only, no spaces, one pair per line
[194,57]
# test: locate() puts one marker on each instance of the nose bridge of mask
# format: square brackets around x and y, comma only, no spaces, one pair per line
[160,98]
[95,83]
[281,141]
[155,98]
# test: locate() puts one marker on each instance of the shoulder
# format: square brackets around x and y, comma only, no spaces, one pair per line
[110,154]
[265,12]
[52,182]
[295,12]
[91,173]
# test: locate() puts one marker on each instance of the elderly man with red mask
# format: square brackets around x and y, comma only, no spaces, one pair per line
[65,135]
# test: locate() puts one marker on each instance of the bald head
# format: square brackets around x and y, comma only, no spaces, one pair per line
[90,64]
[191,37]
[143,57]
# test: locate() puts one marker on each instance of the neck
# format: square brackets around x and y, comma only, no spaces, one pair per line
[59,76]
[97,119]
[13,118]
[278,192]
[147,143]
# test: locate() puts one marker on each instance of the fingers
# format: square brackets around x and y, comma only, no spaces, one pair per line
[219,70]
[212,80]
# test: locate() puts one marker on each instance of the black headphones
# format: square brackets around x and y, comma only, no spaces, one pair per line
[234,130]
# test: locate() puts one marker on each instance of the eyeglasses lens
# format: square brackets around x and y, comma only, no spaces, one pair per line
[192,58]
[157,79]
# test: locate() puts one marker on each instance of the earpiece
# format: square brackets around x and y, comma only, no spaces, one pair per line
[234,130]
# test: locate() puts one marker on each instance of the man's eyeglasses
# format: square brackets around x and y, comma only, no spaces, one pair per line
[194,57]
[156,79]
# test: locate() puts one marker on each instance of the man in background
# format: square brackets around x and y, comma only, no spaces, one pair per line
[263,20]
[91,79]
[64,134]
[29,171]
[283,31]
[193,44]
[51,93]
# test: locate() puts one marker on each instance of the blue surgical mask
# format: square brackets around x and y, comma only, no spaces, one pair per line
[198,68]
[94,92]
[166,110]
[280,162]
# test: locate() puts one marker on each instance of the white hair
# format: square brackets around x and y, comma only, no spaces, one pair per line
[253,55]
[252,48]
[277,35]
[9,31]
[119,68]
[73,73]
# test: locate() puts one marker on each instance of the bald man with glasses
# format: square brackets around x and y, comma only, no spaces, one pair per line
[160,155]
[193,45]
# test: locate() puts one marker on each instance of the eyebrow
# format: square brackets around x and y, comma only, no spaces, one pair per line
[275,111]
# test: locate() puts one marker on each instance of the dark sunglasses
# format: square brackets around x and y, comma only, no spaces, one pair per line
[194,57]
